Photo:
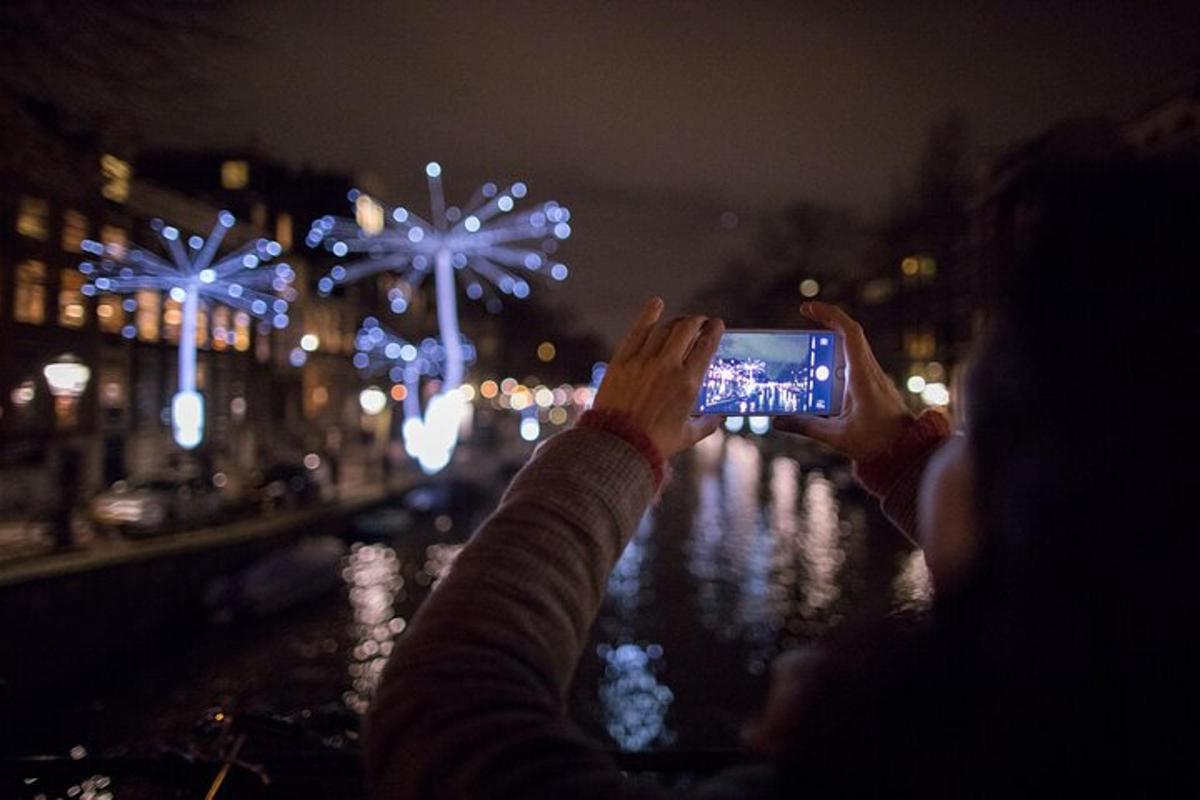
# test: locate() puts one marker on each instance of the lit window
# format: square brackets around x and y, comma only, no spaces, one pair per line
[368,214]
[74,230]
[70,299]
[235,174]
[115,175]
[172,316]
[115,240]
[29,299]
[920,344]
[222,333]
[33,218]
[241,331]
[283,230]
[110,315]
[149,306]
[201,325]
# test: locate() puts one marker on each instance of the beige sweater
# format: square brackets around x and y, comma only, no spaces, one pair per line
[472,702]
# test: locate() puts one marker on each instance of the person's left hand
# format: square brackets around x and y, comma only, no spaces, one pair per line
[654,377]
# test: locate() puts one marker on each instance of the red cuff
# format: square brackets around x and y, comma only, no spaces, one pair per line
[879,473]
[619,423]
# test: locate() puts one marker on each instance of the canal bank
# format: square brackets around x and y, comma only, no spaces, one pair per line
[65,614]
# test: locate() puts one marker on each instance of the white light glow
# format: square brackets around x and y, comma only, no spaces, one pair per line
[187,419]
[372,400]
[66,378]
[760,425]
[734,424]
[936,394]
[916,384]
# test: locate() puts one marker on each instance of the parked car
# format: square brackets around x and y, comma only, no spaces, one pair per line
[141,507]
[284,486]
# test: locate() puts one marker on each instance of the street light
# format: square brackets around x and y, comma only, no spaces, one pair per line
[67,376]
[373,400]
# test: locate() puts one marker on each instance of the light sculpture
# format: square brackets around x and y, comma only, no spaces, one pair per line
[431,437]
[191,276]
[487,245]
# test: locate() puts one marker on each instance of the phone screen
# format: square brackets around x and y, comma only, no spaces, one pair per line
[772,373]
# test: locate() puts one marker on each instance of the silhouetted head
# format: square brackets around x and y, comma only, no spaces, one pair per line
[1080,430]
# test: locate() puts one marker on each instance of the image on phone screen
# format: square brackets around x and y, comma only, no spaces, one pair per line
[772,373]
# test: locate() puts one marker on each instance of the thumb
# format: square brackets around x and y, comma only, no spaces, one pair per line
[822,429]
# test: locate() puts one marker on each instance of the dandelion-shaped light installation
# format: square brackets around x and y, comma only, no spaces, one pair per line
[379,352]
[488,243]
[191,276]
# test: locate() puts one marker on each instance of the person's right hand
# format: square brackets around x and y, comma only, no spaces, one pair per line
[874,414]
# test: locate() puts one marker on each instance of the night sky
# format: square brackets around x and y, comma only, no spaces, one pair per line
[652,119]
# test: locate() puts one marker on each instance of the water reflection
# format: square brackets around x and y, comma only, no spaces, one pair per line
[634,701]
[912,590]
[439,558]
[373,574]
[820,551]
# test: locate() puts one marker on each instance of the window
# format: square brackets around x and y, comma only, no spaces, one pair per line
[110,315]
[33,218]
[29,299]
[283,230]
[148,304]
[70,299]
[235,174]
[920,344]
[115,240]
[222,334]
[115,175]
[74,230]
[368,214]
[172,316]
[241,331]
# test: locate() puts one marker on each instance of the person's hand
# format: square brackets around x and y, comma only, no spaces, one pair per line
[654,377]
[874,414]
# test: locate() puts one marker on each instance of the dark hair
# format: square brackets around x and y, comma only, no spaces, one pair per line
[1081,423]
[1063,653]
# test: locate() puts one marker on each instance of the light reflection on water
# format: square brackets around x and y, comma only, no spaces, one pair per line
[912,590]
[373,575]
[760,559]
[633,699]
[821,551]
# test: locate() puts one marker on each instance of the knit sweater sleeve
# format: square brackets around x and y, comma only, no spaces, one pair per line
[472,701]
[894,476]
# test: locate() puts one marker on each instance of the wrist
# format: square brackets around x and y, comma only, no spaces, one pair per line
[623,425]
[916,439]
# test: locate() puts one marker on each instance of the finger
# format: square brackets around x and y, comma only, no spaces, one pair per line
[858,350]
[840,321]
[822,429]
[683,334]
[654,341]
[702,427]
[636,338]
[705,346]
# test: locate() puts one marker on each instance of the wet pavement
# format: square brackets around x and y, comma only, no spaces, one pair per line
[755,546]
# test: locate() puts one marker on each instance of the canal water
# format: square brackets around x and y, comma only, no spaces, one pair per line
[756,545]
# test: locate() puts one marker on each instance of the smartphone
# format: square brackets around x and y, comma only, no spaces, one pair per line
[775,373]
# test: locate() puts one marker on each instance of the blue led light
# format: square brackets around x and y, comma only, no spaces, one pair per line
[192,275]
